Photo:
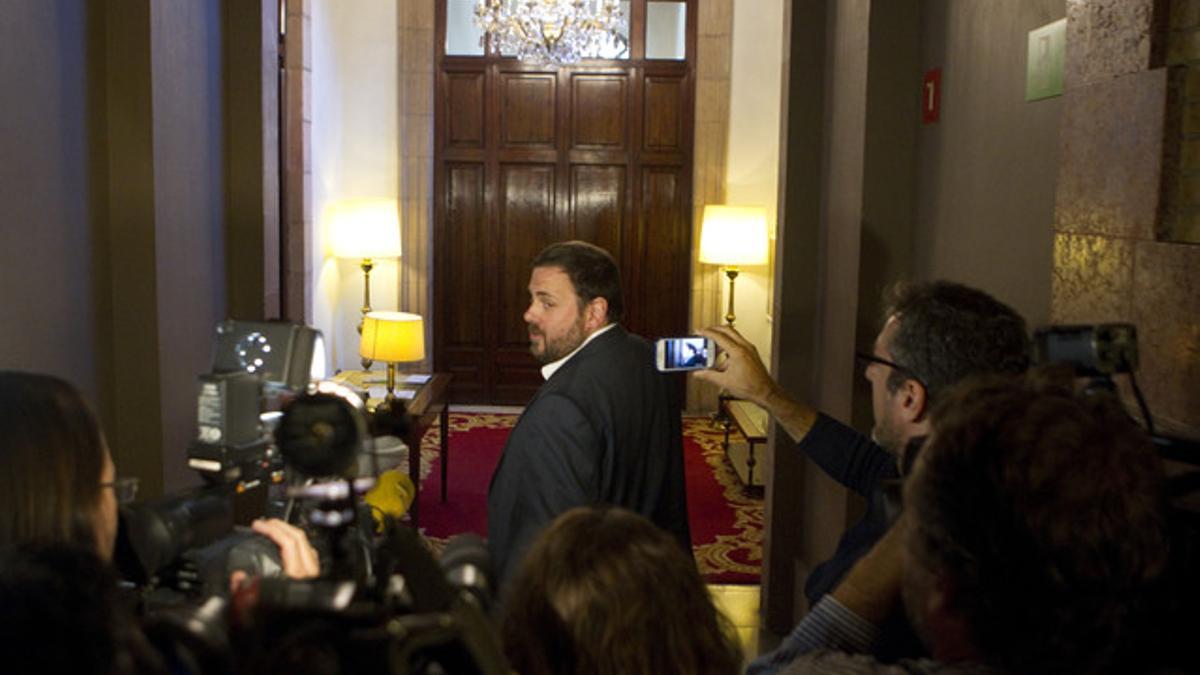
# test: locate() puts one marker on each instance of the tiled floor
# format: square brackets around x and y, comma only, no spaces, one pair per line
[740,604]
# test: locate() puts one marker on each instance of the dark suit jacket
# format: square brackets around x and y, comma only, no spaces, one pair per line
[604,429]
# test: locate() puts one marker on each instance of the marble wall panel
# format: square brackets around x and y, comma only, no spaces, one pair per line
[1184,14]
[1166,305]
[1110,38]
[1110,167]
[715,57]
[714,17]
[1093,279]
[417,14]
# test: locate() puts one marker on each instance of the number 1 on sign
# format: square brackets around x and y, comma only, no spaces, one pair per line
[931,96]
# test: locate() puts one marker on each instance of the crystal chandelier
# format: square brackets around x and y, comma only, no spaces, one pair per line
[554,32]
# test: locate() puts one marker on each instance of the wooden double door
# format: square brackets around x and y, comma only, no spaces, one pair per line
[525,157]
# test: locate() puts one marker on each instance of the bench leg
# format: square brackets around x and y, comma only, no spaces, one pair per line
[444,427]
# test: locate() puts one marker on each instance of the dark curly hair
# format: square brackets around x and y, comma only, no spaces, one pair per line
[946,331]
[1047,513]
[603,591]
[592,271]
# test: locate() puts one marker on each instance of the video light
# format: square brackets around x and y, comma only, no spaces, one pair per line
[285,355]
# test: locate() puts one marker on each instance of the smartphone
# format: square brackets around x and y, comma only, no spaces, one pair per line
[684,353]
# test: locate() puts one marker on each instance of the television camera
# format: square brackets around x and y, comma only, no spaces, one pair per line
[382,603]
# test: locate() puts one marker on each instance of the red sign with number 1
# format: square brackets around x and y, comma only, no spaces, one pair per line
[931,96]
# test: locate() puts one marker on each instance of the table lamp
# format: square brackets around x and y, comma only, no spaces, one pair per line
[364,230]
[732,236]
[392,337]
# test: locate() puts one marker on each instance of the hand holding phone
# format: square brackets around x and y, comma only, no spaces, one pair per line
[684,353]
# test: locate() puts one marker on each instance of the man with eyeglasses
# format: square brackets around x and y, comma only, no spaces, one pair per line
[934,334]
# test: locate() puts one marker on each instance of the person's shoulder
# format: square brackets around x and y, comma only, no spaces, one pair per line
[634,344]
[616,348]
[829,662]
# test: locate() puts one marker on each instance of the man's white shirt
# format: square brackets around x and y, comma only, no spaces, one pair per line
[551,368]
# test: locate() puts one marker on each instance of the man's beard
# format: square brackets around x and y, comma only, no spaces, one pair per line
[555,349]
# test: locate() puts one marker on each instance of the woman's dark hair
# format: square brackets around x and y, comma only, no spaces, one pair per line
[51,459]
[603,591]
[592,271]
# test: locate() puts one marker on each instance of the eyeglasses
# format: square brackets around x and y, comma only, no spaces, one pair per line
[864,359]
[125,489]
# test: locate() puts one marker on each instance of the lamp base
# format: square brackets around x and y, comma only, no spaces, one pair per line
[732,273]
[367,265]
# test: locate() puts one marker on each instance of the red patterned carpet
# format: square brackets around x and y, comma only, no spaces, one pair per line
[727,525]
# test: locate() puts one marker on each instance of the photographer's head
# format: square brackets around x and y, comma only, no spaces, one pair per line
[57,480]
[1036,526]
[936,334]
[603,590]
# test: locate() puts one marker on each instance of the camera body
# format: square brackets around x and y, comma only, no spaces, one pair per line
[1098,350]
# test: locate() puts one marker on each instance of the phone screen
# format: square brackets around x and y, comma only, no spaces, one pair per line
[685,353]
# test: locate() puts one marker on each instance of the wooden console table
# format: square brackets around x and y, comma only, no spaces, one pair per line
[751,422]
[424,403]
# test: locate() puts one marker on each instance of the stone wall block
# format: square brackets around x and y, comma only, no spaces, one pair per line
[294,58]
[416,50]
[1110,38]
[1183,47]
[1190,156]
[416,14]
[1110,168]
[1093,279]
[1166,290]
[417,93]
[715,58]
[1192,91]
[1189,192]
[715,17]
[712,101]
[1185,14]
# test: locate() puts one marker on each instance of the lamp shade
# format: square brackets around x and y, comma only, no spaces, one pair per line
[734,235]
[365,229]
[392,337]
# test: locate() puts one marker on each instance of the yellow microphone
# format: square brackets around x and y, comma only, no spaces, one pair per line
[392,495]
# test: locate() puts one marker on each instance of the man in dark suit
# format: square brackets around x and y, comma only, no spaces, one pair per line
[604,428]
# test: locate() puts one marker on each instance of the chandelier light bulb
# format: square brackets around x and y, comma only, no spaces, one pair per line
[553,32]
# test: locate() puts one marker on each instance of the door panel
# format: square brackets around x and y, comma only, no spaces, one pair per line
[527,225]
[527,109]
[463,110]
[666,246]
[664,113]
[598,105]
[597,205]
[465,260]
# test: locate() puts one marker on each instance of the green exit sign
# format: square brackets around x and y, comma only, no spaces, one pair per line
[1044,67]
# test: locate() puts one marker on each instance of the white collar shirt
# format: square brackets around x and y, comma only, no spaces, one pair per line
[551,368]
